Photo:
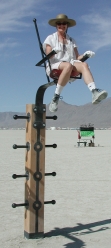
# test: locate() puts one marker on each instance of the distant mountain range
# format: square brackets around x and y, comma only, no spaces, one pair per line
[68,116]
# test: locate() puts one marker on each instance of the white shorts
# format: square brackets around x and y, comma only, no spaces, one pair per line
[56,66]
[53,66]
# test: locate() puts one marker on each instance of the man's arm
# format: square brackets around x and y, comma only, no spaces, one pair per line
[78,57]
[48,49]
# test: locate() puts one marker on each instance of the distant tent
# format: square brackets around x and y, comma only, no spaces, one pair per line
[87,131]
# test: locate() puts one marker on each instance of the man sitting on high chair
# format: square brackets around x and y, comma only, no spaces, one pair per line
[66,59]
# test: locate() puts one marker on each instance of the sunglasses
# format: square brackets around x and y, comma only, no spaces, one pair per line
[61,23]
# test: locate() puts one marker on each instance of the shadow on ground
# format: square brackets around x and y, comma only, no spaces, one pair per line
[71,232]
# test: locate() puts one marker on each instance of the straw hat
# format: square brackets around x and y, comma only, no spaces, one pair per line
[63,18]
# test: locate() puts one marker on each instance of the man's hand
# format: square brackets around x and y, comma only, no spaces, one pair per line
[90,54]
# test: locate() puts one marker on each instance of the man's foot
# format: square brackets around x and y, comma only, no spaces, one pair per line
[54,103]
[98,95]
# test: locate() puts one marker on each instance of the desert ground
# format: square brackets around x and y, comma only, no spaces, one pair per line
[81,216]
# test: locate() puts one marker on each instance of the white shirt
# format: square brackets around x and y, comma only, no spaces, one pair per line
[69,53]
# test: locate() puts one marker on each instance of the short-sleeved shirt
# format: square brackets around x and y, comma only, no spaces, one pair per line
[68,55]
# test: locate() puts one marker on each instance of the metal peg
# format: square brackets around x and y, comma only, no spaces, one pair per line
[54,117]
[14,176]
[26,204]
[27,146]
[53,146]
[50,202]
[51,174]
[15,117]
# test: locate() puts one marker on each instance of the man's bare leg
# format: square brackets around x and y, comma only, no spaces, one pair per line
[81,67]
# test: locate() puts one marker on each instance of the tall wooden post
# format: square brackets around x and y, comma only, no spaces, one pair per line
[35,166]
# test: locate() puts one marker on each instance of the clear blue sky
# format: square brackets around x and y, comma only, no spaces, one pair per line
[19,49]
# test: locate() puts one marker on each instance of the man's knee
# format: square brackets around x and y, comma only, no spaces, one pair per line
[68,67]
[85,65]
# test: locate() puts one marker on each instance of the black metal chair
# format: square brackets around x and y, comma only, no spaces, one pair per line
[39,107]
[54,73]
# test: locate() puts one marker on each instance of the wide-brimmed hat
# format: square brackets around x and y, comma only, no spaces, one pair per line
[63,18]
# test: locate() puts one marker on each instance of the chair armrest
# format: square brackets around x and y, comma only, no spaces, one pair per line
[84,58]
[46,58]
